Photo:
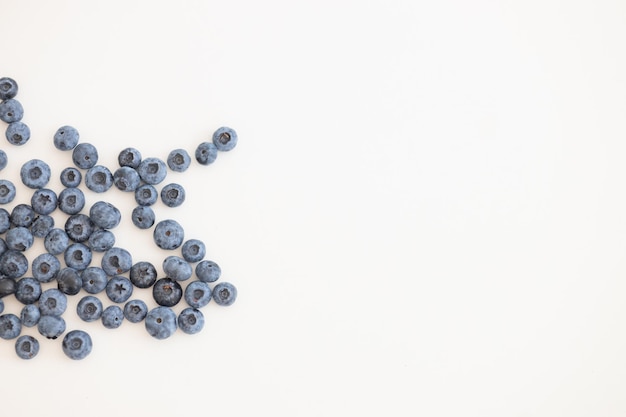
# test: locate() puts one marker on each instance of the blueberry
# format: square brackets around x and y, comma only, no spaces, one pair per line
[173,195]
[3,246]
[168,234]
[119,289]
[11,111]
[35,173]
[77,344]
[112,317]
[13,264]
[71,177]
[126,179]
[94,279]
[17,133]
[5,220]
[51,327]
[135,311]
[66,138]
[101,240]
[152,170]
[143,217]
[71,200]
[22,215]
[161,322]
[85,155]
[116,261]
[10,326]
[178,160]
[45,267]
[52,302]
[208,271]
[44,201]
[177,268]
[79,227]
[224,293]
[4,159]
[129,157]
[1,305]
[167,292]
[197,294]
[143,274]
[26,347]
[7,191]
[225,139]
[77,256]
[8,286]
[42,225]
[28,290]
[105,215]
[146,195]
[206,153]
[193,250]
[8,88]
[89,308]
[69,281]
[19,238]
[191,320]
[30,315]
[98,179]
[56,241]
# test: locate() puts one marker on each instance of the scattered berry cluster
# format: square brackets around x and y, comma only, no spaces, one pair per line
[66,269]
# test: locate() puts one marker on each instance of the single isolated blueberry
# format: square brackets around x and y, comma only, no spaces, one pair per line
[28,290]
[177,268]
[26,347]
[152,170]
[94,279]
[11,111]
[69,281]
[13,264]
[85,155]
[143,274]
[56,241]
[7,191]
[66,138]
[112,317]
[30,314]
[197,294]
[52,302]
[191,320]
[17,133]
[168,234]
[77,344]
[77,256]
[79,227]
[71,200]
[45,267]
[22,215]
[178,160]
[4,159]
[161,322]
[105,215]
[224,293]
[51,327]
[98,179]
[89,308]
[8,88]
[126,179]
[193,250]
[116,261]
[208,271]
[101,240]
[135,311]
[146,195]
[10,326]
[71,177]
[35,173]
[129,157]
[173,195]
[206,153]
[143,217]
[167,292]
[119,289]
[44,201]
[19,238]
[42,225]
[225,139]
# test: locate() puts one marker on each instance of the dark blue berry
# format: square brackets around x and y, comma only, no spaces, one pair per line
[11,111]
[101,240]
[135,311]
[19,238]
[168,234]
[77,344]
[94,279]
[44,201]
[116,261]
[69,281]
[197,294]
[35,173]
[22,215]
[45,267]
[191,320]
[208,271]
[71,177]
[26,347]
[56,241]
[8,88]
[152,170]
[28,290]
[51,327]
[119,289]
[177,268]
[66,138]
[112,317]
[4,160]
[105,215]
[146,195]
[129,157]
[10,326]
[143,217]
[89,308]
[193,250]
[85,155]
[1,306]
[178,160]
[225,139]
[71,200]
[161,322]
[17,133]
[206,153]
[167,292]
[98,179]
[5,220]
[42,225]
[126,179]
[77,256]
[13,264]
[8,286]
[3,246]
[52,302]
[30,314]
[224,293]
[7,191]
[173,195]
[143,274]
[79,227]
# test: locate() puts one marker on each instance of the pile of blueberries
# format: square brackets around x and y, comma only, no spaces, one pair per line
[65,268]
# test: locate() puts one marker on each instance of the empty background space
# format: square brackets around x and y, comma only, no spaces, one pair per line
[424,214]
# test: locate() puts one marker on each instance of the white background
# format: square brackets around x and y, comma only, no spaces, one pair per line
[425,213]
